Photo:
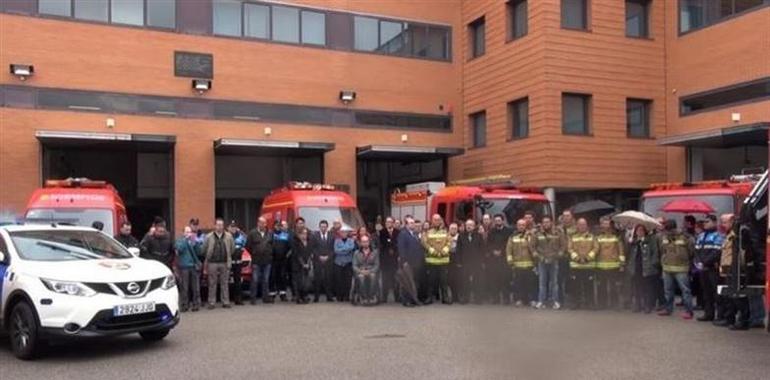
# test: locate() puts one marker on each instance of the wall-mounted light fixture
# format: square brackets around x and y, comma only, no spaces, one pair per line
[201,85]
[347,96]
[22,71]
[268,131]
[404,138]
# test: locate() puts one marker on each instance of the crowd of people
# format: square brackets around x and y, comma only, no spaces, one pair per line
[541,264]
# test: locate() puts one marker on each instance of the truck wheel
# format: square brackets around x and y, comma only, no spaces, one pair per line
[154,336]
[23,331]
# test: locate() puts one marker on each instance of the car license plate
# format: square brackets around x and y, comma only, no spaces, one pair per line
[137,308]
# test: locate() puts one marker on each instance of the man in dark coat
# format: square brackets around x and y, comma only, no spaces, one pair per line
[323,261]
[388,258]
[125,238]
[497,268]
[467,261]
[708,251]
[411,259]
[259,243]
[158,245]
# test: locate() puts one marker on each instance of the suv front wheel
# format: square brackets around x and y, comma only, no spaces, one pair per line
[23,331]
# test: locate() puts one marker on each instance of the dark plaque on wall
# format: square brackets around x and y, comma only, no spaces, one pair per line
[193,65]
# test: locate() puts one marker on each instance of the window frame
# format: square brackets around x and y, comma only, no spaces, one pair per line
[587,105]
[473,32]
[647,25]
[513,119]
[714,91]
[646,118]
[706,24]
[511,19]
[586,17]
[474,127]
[109,21]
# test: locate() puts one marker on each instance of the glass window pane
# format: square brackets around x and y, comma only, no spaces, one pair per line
[391,40]
[128,12]
[478,37]
[438,43]
[313,28]
[161,13]
[573,14]
[691,15]
[637,118]
[636,18]
[365,33]
[520,19]
[256,20]
[55,7]
[479,121]
[742,5]
[227,17]
[574,118]
[286,24]
[95,10]
[416,43]
[522,119]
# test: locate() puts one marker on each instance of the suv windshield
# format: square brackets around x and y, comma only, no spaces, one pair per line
[514,209]
[62,245]
[74,216]
[722,204]
[349,216]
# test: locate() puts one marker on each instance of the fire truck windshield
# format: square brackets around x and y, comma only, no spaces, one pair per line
[75,216]
[722,204]
[349,216]
[514,209]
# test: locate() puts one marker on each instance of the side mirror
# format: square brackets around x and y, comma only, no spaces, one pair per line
[134,251]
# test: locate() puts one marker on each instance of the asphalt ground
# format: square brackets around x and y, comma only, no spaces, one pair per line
[339,341]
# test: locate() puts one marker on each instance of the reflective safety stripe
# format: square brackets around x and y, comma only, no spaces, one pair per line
[676,268]
[518,239]
[575,265]
[608,240]
[522,264]
[437,260]
[608,265]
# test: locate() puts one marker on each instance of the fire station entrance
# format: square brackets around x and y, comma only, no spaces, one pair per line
[140,167]
[247,170]
[381,169]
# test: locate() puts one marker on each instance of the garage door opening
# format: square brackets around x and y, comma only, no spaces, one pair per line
[140,167]
[382,168]
[248,170]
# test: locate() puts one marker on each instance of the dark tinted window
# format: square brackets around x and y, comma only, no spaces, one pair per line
[638,117]
[696,14]
[391,37]
[477,37]
[438,43]
[479,129]
[518,112]
[403,121]
[575,114]
[517,16]
[637,18]
[574,14]
[745,92]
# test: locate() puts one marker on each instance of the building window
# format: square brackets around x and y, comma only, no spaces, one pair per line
[161,13]
[365,31]
[574,14]
[757,90]
[638,117]
[517,18]
[130,12]
[156,13]
[256,21]
[477,37]
[55,7]
[227,17]
[391,37]
[285,24]
[575,111]
[696,14]
[92,10]
[479,129]
[637,18]
[313,28]
[518,114]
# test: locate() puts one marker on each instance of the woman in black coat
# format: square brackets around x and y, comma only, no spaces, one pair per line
[301,266]
[644,268]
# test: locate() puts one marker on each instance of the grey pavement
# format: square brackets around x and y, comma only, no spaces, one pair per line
[339,341]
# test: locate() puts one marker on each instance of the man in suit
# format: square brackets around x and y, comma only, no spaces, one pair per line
[411,257]
[467,263]
[388,258]
[323,253]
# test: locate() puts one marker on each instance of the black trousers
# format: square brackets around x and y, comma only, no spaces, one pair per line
[708,284]
[477,287]
[298,281]
[498,280]
[524,285]
[608,282]
[564,275]
[389,282]
[645,289]
[736,310]
[236,286]
[459,283]
[279,279]
[343,276]
[323,279]
[581,288]
[438,282]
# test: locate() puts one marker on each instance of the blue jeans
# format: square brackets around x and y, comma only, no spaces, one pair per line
[260,275]
[548,281]
[683,281]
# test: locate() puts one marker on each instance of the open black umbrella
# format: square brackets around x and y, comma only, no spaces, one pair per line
[591,206]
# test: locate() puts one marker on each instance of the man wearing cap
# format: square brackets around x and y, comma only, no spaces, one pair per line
[708,249]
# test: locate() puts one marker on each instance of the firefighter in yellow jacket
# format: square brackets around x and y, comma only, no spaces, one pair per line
[610,260]
[582,250]
[437,243]
[518,253]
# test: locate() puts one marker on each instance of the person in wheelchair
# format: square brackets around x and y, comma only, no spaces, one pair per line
[366,271]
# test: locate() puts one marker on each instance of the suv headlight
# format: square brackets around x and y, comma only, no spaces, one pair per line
[68,287]
[169,282]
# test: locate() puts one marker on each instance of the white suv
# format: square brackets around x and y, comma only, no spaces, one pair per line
[61,282]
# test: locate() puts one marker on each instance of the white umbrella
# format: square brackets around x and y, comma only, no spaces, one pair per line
[633,218]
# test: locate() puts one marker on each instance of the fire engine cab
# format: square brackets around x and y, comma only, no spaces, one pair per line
[470,198]
[77,201]
[314,203]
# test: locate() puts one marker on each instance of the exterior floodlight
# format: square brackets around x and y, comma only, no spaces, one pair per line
[347,96]
[201,85]
[22,71]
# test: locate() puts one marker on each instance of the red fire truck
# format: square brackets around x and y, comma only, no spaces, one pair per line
[313,202]
[471,199]
[78,201]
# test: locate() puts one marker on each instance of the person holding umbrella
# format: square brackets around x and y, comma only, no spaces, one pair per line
[644,261]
